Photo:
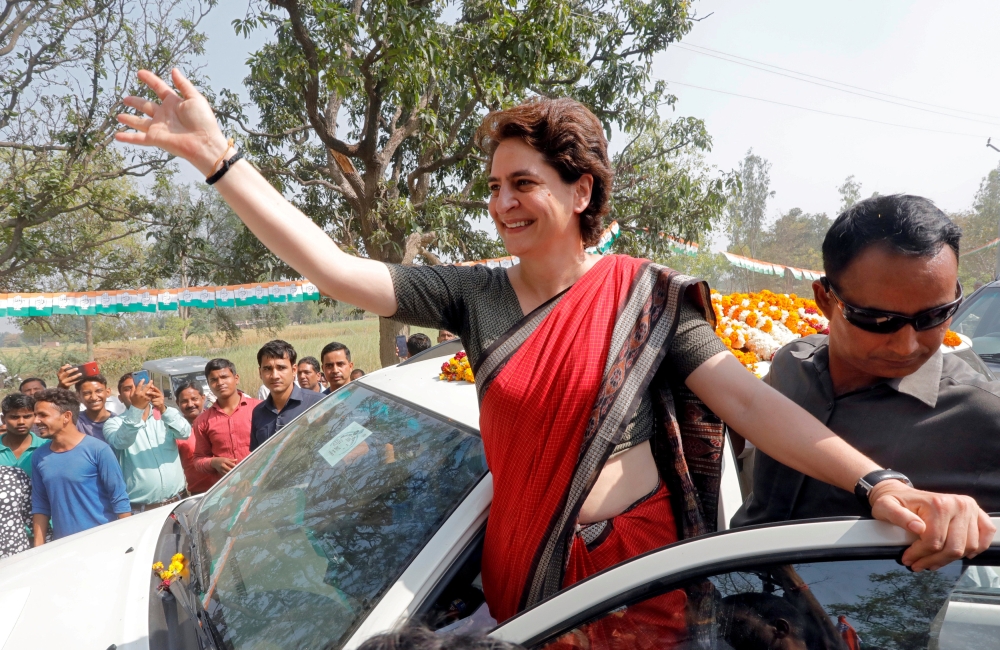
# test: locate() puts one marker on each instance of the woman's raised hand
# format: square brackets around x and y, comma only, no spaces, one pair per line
[183,125]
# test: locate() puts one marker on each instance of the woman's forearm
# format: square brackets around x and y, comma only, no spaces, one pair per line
[297,240]
[776,425]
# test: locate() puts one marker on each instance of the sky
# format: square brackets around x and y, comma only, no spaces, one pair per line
[927,51]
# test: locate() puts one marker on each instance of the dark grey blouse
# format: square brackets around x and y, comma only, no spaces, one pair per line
[478,304]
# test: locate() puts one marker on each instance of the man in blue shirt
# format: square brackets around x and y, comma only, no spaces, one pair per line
[76,480]
[276,362]
[144,438]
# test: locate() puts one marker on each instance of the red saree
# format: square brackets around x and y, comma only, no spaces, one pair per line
[556,394]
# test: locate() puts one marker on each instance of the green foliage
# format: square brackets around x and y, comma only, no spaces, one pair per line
[979,226]
[64,68]
[850,193]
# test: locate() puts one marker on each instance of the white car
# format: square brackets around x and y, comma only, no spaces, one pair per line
[370,509]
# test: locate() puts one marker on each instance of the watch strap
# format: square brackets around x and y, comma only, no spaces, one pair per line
[864,486]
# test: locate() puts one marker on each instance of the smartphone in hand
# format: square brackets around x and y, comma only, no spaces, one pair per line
[140,375]
[88,369]
[401,350]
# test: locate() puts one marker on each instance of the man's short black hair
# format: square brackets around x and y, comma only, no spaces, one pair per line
[905,224]
[100,379]
[418,343]
[334,347]
[191,385]
[31,379]
[222,364]
[62,399]
[312,361]
[277,349]
[17,402]
[123,379]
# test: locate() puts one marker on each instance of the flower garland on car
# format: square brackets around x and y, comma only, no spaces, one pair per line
[755,325]
[171,572]
[457,369]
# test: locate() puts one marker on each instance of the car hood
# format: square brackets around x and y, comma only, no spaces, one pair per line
[89,590]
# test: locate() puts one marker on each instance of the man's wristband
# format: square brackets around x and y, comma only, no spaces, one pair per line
[226,164]
[866,483]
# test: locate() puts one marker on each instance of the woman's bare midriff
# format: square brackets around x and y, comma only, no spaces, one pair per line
[626,478]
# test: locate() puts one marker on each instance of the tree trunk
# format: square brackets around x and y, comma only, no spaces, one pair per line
[388,330]
[88,328]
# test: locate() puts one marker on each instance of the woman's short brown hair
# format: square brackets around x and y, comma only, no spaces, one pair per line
[570,138]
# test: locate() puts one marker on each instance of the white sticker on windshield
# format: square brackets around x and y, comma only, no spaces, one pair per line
[342,443]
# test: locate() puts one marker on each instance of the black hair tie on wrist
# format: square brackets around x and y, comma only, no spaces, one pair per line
[214,178]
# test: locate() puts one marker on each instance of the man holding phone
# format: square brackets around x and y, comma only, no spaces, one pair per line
[145,439]
[93,392]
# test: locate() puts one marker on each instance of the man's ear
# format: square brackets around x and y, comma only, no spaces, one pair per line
[781,628]
[823,299]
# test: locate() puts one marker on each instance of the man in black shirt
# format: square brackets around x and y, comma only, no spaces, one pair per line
[879,379]
[276,362]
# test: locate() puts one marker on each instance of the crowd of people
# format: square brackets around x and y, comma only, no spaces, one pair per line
[68,463]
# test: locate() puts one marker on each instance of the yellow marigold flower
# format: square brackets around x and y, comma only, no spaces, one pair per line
[177,557]
[158,566]
[951,339]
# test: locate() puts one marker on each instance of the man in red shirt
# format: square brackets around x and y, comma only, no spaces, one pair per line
[222,431]
[191,404]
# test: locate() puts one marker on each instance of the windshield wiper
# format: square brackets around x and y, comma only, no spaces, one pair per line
[204,625]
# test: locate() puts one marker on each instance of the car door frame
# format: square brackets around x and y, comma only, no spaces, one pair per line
[657,571]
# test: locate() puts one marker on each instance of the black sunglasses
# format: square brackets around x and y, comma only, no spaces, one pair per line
[887,322]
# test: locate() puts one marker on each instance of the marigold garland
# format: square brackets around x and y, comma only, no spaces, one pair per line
[457,369]
[754,325]
[174,570]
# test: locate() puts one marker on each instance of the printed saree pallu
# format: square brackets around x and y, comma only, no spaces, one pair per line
[556,393]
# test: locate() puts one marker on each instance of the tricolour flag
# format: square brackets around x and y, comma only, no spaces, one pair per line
[3,304]
[310,291]
[146,300]
[295,292]
[64,303]
[129,301]
[251,294]
[17,305]
[86,303]
[40,304]
[166,300]
[107,302]
[225,296]
[198,297]
[277,291]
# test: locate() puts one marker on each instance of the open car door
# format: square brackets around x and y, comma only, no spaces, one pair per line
[828,584]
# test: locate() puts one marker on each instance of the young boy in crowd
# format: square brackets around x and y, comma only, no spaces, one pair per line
[19,441]
[93,392]
[222,432]
[75,479]
[276,362]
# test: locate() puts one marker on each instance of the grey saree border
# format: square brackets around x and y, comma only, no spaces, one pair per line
[500,351]
[638,344]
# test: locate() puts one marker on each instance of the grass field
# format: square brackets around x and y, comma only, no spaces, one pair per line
[118,357]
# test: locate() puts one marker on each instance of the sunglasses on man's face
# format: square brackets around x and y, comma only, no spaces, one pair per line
[887,322]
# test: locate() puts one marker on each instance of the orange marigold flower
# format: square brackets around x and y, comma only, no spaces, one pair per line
[952,339]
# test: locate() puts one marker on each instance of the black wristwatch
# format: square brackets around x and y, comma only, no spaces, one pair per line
[871,479]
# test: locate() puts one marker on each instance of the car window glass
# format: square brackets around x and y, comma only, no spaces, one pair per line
[302,540]
[980,321]
[833,605]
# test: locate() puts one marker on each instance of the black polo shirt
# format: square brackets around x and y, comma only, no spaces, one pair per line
[267,420]
[940,426]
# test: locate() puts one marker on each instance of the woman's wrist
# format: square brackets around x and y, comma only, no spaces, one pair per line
[207,160]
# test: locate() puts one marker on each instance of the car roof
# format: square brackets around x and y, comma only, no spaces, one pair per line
[416,381]
[176,365]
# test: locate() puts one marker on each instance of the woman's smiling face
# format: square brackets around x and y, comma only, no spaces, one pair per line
[533,208]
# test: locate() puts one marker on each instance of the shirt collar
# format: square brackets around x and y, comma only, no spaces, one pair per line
[923,384]
[296,397]
[36,442]
[243,402]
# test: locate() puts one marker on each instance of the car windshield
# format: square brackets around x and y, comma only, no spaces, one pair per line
[980,321]
[176,381]
[301,541]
